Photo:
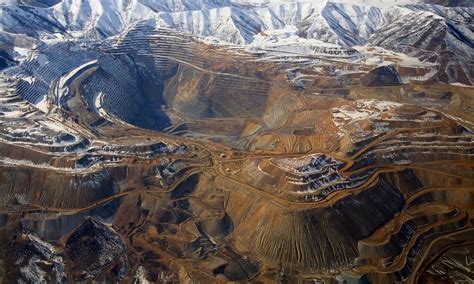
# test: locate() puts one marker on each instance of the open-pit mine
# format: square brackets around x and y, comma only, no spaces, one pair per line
[250,141]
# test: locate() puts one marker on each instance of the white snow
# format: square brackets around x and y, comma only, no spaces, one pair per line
[55,126]
[43,104]
[379,106]
[361,110]
[377,3]
[65,79]
[224,19]
[290,27]
[140,276]
[11,114]
[287,40]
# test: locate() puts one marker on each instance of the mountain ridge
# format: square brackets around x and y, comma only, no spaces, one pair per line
[428,30]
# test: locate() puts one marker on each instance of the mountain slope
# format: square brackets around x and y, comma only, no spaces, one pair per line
[430,32]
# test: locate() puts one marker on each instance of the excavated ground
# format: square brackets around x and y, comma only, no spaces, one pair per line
[211,166]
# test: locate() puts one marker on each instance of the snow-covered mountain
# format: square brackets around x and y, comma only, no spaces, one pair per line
[419,29]
[340,21]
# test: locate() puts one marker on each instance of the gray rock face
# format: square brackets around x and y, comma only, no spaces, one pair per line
[451,3]
[94,247]
[382,76]
[35,261]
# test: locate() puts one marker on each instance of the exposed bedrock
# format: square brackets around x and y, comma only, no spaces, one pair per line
[217,227]
[250,177]
[203,95]
[451,265]
[152,79]
[192,80]
[312,239]
[137,88]
[115,84]
[127,92]
[32,260]
[28,155]
[54,189]
[94,247]
[6,60]
[382,76]
[52,227]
